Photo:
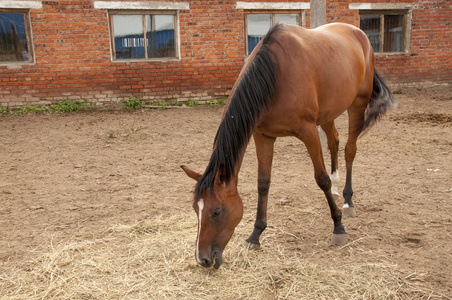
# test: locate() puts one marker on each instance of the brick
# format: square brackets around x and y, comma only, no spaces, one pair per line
[72,51]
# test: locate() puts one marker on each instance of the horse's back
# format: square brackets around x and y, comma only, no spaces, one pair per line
[322,70]
[329,50]
[352,39]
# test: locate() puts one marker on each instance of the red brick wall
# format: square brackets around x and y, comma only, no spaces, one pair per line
[430,59]
[212,47]
[73,59]
[71,52]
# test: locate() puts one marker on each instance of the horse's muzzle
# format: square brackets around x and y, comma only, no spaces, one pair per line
[216,259]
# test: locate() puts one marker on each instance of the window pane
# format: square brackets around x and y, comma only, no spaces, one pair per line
[393,38]
[258,25]
[129,36]
[370,24]
[287,18]
[13,37]
[160,35]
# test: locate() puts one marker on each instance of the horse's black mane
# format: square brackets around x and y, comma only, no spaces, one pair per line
[251,97]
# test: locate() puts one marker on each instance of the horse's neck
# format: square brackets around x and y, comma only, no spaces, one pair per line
[239,164]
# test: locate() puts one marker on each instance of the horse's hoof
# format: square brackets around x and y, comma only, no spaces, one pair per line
[335,197]
[339,239]
[252,246]
[349,211]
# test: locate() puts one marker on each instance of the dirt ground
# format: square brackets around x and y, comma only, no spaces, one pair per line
[73,176]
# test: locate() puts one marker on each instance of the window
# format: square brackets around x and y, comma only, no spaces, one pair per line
[257,25]
[388,25]
[385,30]
[143,35]
[15,37]
[143,30]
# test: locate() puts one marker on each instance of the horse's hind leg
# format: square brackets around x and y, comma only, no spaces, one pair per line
[264,152]
[355,125]
[333,145]
[310,137]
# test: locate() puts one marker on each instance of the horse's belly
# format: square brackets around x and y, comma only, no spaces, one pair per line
[332,108]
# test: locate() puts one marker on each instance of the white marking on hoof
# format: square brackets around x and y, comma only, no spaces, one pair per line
[345,205]
[201,207]
[334,182]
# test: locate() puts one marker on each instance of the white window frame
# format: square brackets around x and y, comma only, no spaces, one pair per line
[119,7]
[272,8]
[22,7]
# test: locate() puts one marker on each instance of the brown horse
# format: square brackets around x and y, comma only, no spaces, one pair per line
[294,80]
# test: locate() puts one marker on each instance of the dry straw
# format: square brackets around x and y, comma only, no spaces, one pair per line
[154,259]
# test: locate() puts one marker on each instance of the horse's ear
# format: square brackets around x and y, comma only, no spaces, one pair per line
[190,173]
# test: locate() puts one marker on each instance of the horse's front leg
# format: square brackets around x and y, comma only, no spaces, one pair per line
[264,152]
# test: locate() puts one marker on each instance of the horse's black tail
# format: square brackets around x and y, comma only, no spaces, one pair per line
[381,99]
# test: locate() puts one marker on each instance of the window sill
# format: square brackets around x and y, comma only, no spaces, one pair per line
[15,65]
[149,60]
[389,54]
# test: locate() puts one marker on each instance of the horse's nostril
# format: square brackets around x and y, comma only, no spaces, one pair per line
[206,263]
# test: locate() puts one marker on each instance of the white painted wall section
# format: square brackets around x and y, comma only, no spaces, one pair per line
[20,4]
[159,5]
[272,6]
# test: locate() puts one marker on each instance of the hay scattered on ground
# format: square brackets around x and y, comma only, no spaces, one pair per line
[154,259]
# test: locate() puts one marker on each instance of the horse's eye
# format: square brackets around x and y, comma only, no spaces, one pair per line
[217,212]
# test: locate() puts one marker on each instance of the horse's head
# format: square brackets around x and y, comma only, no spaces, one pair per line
[219,212]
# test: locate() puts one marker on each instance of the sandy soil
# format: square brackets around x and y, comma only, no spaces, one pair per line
[74,176]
